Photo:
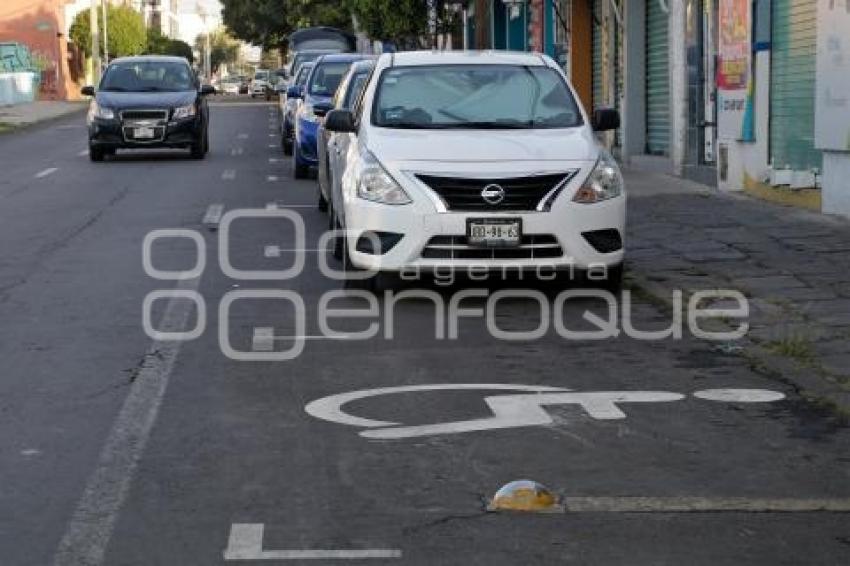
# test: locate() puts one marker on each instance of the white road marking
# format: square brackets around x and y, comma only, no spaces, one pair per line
[242,136]
[739,395]
[508,411]
[83,153]
[272,135]
[276,205]
[246,543]
[228,174]
[46,172]
[263,340]
[271,178]
[30,452]
[213,215]
[236,151]
[91,525]
[277,251]
[272,146]
[273,159]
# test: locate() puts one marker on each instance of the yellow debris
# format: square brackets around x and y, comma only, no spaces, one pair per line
[524,495]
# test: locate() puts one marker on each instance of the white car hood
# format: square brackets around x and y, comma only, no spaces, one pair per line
[405,148]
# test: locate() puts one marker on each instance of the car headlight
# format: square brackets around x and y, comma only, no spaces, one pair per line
[604,182]
[184,112]
[377,185]
[102,112]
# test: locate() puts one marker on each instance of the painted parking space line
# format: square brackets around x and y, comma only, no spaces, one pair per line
[272,146]
[228,174]
[274,159]
[703,505]
[246,543]
[212,217]
[272,178]
[277,251]
[242,136]
[277,205]
[90,528]
[263,339]
[46,172]
[236,151]
[83,153]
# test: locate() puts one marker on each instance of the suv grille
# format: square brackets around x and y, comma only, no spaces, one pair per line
[532,246]
[520,193]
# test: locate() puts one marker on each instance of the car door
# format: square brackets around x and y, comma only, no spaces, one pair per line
[339,148]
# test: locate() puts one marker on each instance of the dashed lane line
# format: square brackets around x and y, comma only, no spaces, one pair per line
[228,174]
[246,543]
[46,172]
[213,215]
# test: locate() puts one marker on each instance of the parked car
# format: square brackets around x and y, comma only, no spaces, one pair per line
[461,159]
[146,102]
[319,90]
[307,56]
[329,144]
[289,105]
[244,85]
[258,85]
[277,81]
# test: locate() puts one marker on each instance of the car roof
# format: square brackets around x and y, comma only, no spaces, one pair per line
[365,64]
[465,58]
[151,58]
[344,58]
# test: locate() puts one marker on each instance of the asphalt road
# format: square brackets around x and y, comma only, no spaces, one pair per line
[119,449]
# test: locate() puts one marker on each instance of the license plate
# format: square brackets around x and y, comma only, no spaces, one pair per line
[494,232]
[143,133]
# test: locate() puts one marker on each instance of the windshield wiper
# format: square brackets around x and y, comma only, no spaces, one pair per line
[488,126]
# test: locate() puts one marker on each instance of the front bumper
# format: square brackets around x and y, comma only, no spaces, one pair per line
[306,138]
[175,133]
[561,239]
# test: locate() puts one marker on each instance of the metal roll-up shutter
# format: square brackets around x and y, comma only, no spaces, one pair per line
[657,81]
[792,85]
[596,55]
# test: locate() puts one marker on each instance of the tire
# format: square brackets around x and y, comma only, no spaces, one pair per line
[286,143]
[206,142]
[299,170]
[322,201]
[95,153]
[198,149]
[339,249]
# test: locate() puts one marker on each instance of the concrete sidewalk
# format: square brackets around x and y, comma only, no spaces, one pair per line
[21,115]
[792,264]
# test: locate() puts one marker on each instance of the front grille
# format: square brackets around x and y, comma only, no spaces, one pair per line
[532,246]
[143,115]
[521,193]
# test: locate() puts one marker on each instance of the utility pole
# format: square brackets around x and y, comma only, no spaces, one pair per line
[95,42]
[105,35]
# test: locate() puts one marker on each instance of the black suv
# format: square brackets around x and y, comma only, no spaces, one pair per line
[147,102]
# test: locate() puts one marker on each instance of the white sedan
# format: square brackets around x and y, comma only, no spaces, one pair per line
[468,160]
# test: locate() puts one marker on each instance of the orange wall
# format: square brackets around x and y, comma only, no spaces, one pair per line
[40,24]
[581,56]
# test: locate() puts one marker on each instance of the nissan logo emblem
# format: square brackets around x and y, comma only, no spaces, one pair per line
[493,194]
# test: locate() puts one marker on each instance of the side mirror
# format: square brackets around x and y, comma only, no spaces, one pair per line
[294,92]
[87,90]
[340,121]
[605,119]
[207,89]
[322,109]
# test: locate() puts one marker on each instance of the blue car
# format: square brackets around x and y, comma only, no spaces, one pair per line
[325,76]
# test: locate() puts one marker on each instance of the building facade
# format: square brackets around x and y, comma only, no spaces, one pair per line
[744,95]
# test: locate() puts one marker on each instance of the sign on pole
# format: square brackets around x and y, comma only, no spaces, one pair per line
[734,69]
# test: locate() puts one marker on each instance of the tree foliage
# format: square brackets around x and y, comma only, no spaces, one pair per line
[269,22]
[403,22]
[223,48]
[126,34]
[161,45]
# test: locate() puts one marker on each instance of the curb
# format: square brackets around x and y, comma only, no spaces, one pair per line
[811,382]
[7,128]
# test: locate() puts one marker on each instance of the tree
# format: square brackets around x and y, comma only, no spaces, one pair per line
[126,32]
[403,22]
[162,45]
[223,48]
[269,22]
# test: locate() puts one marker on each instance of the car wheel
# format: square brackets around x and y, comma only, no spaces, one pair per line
[286,143]
[299,170]
[322,201]
[206,141]
[339,249]
[197,149]
[95,153]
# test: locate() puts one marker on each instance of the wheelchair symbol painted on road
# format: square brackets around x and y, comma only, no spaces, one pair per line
[520,406]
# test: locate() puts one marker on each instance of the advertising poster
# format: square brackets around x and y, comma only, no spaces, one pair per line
[733,68]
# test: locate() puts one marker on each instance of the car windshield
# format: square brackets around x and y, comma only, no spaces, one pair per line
[305,57]
[148,76]
[358,81]
[261,75]
[326,77]
[474,97]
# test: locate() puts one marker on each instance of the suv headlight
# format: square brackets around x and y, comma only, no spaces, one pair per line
[604,182]
[184,112]
[377,185]
[102,112]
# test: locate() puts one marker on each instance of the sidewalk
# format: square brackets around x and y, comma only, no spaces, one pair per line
[21,115]
[792,264]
